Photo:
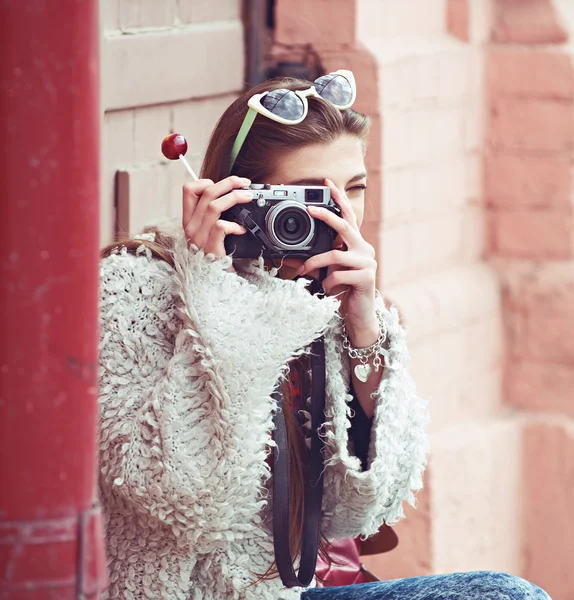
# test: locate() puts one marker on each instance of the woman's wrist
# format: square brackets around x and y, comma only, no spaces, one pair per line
[365,334]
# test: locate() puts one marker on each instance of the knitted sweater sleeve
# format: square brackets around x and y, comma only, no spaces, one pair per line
[357,500]
[166,447]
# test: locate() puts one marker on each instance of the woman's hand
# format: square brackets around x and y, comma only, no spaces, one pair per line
[351,272]
[203,203]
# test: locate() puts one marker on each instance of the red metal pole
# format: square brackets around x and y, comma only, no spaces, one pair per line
[50,530]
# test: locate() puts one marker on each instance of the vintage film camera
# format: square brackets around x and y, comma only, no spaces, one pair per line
[278,223]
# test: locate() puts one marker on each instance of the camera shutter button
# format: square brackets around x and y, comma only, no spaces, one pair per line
[257,186]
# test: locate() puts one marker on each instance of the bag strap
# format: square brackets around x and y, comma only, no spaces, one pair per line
[313,484]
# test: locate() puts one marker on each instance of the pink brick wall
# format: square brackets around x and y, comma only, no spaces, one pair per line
[529,188]
[470,209]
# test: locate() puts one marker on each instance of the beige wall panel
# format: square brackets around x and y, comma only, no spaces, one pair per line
[158,67]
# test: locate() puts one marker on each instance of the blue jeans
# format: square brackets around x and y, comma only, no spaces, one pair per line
[476,585]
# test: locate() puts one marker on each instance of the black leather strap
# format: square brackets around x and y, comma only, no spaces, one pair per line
[313,485]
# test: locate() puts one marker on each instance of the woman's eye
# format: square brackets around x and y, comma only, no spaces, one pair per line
[357,188]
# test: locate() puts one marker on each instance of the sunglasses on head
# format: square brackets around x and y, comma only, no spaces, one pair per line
[290,107]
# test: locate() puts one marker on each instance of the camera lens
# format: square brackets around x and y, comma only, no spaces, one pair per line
[313,195]
[290,226]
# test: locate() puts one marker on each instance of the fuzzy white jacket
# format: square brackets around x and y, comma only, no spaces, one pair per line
[188,360]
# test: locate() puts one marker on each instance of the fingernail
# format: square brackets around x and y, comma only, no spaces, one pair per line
[300,271]
[245,181]
[246,194]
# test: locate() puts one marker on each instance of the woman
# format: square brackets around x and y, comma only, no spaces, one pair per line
[193,343]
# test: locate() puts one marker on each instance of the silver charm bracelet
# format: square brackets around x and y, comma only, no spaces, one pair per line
[363,370]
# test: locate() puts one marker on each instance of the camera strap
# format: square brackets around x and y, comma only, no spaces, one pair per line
[313,483]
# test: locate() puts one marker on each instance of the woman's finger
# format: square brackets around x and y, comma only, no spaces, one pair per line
[349,234]
[213,213]
[343,203]
[215,244]
[190,197]
[350,260]
[217,190]
[357,279]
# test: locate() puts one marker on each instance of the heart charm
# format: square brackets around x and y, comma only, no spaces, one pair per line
[362,372]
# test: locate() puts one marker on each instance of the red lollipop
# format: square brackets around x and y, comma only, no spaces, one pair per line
[174,146]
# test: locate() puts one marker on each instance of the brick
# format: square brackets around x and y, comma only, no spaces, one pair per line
[528,181]
[424,196]
[533,72]
[474,124]
[201,11]
[480,396]
[457,19]
[539,304]
[473,234]
[549,337]
[398,193]
[457,370]
[422,135]
[474,180]
[548,496]
[163,66]
[538,334]
[300,21]
[483,352]
[432,75]
[151,125]
[532,234]
[158,14]
[532,124]
[447,299]
[527,22]
[396,139]
[435,242]
[142,198]
[464,294]
[196,119]
[117,150]
[150,195]
[129,13]
[447,347]
[454,64]
[386,19]
[397,84]
[446,137]
[418,309]
[533,287]
[147,13]
[110,15]
[394,257]
[480,21]
[540,387]
[475,483]
[468,397]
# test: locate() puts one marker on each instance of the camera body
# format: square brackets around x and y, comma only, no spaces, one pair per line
[278,223]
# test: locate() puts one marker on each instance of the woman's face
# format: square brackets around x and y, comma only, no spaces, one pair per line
[341,161]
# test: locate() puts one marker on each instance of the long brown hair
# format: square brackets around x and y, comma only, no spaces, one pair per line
[266,144]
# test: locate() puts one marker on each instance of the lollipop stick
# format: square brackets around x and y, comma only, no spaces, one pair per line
[188,167]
